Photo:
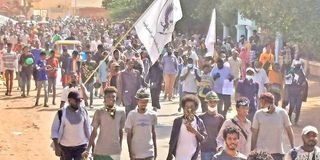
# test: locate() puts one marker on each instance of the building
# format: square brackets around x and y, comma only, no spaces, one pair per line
[62,8]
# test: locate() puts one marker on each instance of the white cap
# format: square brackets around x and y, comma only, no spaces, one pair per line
[250,69]
[308,129]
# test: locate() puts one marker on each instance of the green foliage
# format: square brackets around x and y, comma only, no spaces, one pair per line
[296,20]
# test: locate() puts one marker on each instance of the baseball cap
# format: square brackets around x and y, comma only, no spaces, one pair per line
[74,95]
[212,96]
[308,129]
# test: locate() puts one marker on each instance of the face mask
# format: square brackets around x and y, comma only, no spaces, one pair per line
[190,65]
[258,69]
[249,77]
[212,109]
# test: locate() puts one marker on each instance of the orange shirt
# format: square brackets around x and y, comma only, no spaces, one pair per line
[275,77]
[264,57]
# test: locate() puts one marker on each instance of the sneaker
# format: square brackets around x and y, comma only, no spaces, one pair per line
[36,104]
[45,105]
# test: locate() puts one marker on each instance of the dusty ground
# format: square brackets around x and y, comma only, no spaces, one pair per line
[25,130]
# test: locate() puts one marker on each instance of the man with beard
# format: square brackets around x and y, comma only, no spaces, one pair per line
[140,128]
[71,129]
[231,138]
[308,150]
[110,121]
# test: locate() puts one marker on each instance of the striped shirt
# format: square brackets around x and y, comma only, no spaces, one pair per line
[9,61]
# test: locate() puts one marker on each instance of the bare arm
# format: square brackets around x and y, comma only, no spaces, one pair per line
[92,139]
[154,138]
[254,138]
[290,135]
[129,142]
[121,136]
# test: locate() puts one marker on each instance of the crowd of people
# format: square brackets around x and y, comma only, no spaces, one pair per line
[122,74]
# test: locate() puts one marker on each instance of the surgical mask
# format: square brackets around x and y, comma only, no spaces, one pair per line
[212,109]
[190,65]
[249,77]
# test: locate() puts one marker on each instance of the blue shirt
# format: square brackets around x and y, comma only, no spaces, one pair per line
[42,73]
[170,64]
[218,83]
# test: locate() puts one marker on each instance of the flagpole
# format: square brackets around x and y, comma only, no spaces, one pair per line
[120,40]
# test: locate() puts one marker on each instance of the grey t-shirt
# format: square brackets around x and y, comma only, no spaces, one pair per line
[271,128]
[224,156]
[108,142]
[141,127]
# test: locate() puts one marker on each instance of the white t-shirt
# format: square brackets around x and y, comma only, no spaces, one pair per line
[72,135]
[261,78]
[235,67]
[189,84]
[187,143]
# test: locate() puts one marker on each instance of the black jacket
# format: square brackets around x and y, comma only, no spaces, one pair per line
[175,137]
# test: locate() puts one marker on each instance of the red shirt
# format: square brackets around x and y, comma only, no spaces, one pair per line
[53,62]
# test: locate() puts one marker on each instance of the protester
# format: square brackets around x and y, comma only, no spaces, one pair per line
[205,86]
[71,129]
[188,132]
[155,78]
[240,122]
[170,69]
[42,78]
[26,61]
[221,76]
[260,77]
[268,126]
[128,83]
[110,121]
[65,67]
[248,88]
[87,68]
[53,64]
[231,138]
[295,81]
[308,150]
[212,121]
[189,76]
[8,63]
[275,82]
[140,128]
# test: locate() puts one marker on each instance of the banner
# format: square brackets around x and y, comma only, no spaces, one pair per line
[155,27]
[211,36]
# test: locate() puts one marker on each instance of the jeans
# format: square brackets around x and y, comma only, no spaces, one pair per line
[225,101]
[295,102]
[73,153]
[207,155]
[25,81]
[52,82]
[43,84]
[277,156]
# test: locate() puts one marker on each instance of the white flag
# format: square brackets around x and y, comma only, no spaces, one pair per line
[211,36]
[155,27]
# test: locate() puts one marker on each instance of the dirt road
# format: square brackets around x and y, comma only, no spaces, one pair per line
[25,130]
